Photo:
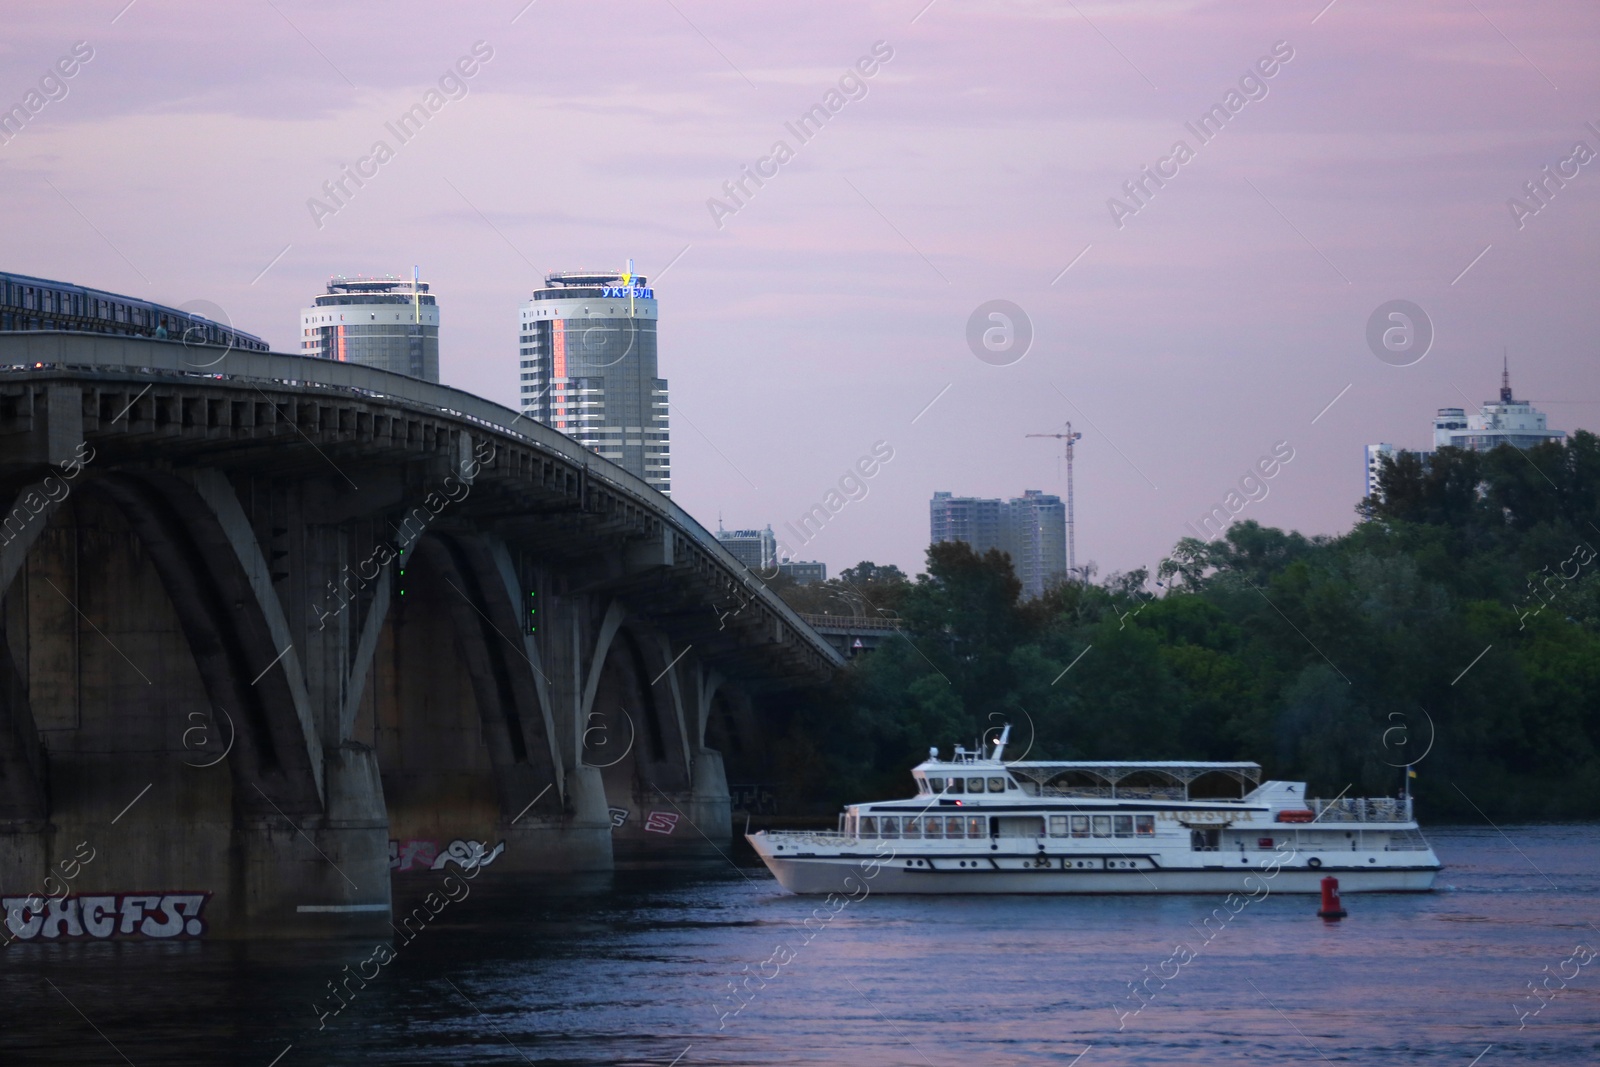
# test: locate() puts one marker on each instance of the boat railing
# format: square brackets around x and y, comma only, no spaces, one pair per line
[828,838]
[1362,809]
[1152,792]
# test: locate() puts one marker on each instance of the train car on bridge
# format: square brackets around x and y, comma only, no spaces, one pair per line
[28,303]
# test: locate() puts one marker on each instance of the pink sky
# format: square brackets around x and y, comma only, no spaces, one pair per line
[828,311]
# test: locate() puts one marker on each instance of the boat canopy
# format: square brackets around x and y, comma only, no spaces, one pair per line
[1170,779]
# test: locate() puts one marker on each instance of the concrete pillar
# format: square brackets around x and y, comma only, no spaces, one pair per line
[578,835]
[709,798]
[324,875]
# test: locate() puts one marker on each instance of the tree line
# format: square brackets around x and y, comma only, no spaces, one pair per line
[1455,627]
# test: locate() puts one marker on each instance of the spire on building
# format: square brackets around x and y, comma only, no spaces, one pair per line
[1505,378]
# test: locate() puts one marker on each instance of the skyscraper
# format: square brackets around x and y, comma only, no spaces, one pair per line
[587,343]
[965,518]
[756,549]
[1031,529]
[386,323]
[1034,531]
[1375,455]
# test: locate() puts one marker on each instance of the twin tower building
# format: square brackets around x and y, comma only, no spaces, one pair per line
[586,343]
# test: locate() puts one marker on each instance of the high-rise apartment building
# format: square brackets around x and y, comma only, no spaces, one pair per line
[1034,531]
[1507,421]
[587,342]
[964,518]
[1031,529]
[1375,457]
[386,323]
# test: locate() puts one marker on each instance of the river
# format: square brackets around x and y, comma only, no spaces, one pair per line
[636,968]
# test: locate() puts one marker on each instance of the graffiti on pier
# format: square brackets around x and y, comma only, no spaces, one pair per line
[158,915]
[618,817]
[661,822]
[426,856]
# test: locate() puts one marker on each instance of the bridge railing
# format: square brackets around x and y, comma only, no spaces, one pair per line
[850,622]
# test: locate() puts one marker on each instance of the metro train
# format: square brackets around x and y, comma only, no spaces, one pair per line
[40,304]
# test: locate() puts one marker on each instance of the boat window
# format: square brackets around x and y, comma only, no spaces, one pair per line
[869,826]
[1124,825]
[1058,826]
[954,826]
[891,826]
[997,785]
[974,785]
[1080,826]
[1102,826]
[955,785]
[936,784]
[911,826]
[1144,825]
[975,827]
[932,826]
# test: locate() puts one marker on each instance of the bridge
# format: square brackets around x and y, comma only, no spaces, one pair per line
[277,630]
[852,635]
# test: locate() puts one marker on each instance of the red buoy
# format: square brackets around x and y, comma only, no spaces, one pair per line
[1331,910]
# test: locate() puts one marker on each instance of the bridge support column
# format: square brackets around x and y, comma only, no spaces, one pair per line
[711,805]
[576,835]
[323,874]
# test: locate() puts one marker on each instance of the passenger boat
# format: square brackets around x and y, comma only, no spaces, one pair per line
[978,824]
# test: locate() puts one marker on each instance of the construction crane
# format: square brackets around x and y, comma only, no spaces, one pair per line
[1068,437]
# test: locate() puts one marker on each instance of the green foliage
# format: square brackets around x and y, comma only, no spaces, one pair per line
[1333,660]
[866,589]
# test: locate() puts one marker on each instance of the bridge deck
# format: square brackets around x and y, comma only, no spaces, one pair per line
[283,415]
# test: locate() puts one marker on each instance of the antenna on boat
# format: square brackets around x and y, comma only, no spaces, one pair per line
[1033,732]
[1000,745]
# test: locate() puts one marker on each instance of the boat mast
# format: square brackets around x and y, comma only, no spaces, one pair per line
[1000,745]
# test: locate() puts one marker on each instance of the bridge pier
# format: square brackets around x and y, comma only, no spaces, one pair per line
[322,874]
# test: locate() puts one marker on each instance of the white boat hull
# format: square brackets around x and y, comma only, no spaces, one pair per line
[849,875]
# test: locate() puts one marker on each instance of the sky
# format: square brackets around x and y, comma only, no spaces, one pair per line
[1186,329]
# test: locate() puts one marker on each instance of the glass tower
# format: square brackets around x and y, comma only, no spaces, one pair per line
[587,346]
[1031,529]
[386,323]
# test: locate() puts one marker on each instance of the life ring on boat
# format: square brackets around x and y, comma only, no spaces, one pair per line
[1313,862]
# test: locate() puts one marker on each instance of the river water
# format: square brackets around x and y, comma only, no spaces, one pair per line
[635,968]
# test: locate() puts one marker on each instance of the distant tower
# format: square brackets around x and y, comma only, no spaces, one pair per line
[964,518]
[387,323]
[1505,378]
[587,348]
[1035,533]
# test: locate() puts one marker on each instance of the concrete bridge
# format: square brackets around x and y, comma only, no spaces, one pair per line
[278,629]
